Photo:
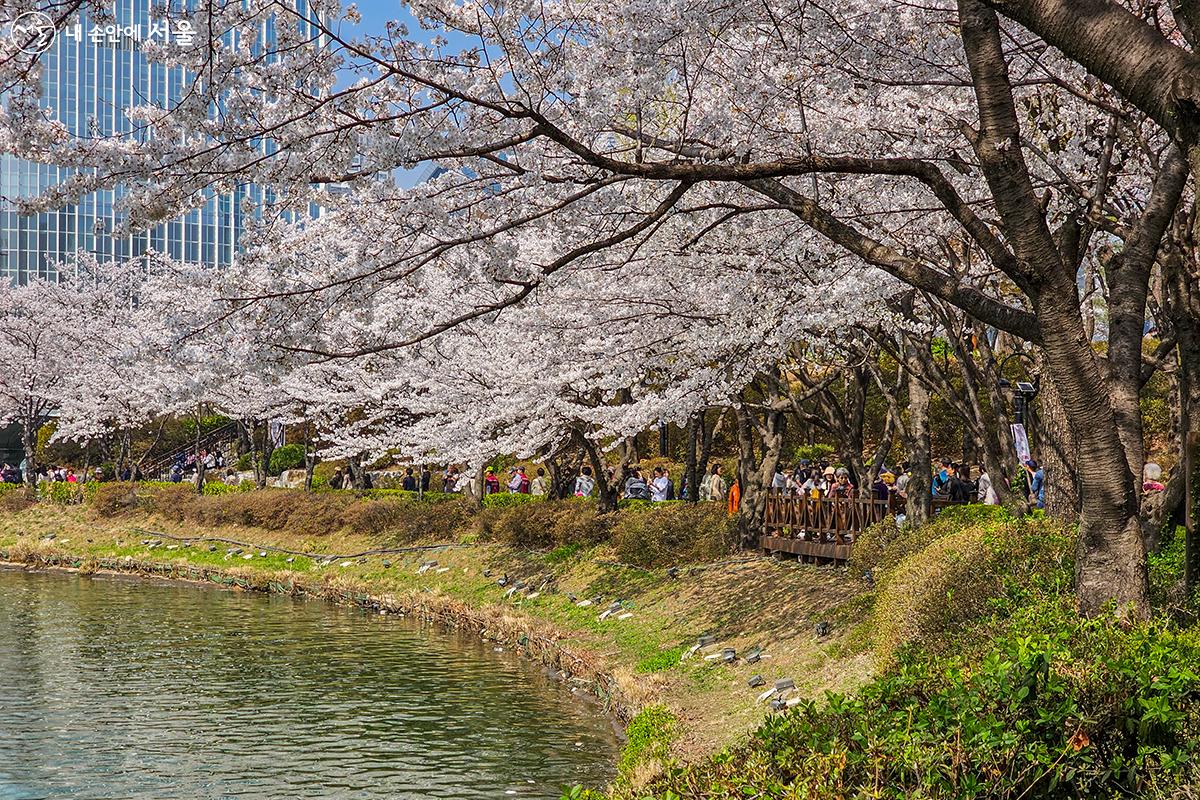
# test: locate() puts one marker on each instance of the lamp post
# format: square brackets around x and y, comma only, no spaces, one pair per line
[1023,394]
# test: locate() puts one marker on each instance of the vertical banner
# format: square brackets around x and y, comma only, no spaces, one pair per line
[277,433]
[1021,440]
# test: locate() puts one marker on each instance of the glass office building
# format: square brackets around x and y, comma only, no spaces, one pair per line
[91,73]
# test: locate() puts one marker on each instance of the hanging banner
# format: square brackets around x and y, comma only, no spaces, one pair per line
[1021,441]
[278,433]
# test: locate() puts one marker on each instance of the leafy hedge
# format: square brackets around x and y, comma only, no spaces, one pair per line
[885,544]
[666,534]
[289,456]
[1057,707]
[543,524]
[968,575]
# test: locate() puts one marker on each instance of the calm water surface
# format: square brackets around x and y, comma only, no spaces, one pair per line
[114,689]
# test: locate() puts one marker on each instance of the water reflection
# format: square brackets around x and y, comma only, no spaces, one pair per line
[110,689]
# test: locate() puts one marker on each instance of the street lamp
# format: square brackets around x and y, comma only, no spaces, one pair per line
[1023,391]
[1023,394]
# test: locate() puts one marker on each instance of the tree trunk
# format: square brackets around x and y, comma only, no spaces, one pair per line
[755,477]
[1110,563]
[29,445]
[919,492]
[310,459]
[196,451]
[691,474]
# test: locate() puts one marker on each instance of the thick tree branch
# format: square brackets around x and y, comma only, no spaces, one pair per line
[992,312]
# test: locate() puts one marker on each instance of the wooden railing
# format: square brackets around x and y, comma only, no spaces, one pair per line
[824,527]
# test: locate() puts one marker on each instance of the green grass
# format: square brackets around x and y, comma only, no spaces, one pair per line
[662,660]
[650,734]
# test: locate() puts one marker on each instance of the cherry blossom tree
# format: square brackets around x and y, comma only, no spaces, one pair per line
[677,163]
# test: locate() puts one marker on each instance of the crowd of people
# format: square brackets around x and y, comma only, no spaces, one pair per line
[952,481]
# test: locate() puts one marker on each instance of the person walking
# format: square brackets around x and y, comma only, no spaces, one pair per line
[539,486]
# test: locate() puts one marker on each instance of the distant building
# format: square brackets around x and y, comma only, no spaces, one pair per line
[91,73]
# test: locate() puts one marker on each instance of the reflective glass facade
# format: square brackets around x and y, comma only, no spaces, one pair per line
[91,73]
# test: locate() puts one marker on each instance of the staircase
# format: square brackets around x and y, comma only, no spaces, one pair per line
[218,438]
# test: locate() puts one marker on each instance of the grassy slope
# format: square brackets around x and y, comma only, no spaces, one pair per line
[743,602]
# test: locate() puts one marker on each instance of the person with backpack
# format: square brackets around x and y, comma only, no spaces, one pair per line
[584,483]
[941,481]
[522,481]
[636,488]
[491,484]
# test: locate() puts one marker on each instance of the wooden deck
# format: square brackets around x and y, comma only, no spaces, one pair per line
[823,528]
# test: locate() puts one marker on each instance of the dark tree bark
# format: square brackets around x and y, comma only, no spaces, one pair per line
[1110,562]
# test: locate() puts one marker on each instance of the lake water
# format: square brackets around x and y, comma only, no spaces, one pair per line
[111,688]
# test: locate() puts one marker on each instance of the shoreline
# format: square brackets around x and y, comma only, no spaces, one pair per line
[647,644]
[519,633]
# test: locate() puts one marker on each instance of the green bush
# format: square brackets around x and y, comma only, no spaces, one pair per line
[218,487]
[510,499]
[402,494]
[813,452]
[290,456]
[967,576]
[1056,707]
[884,545]
[245,462]
[67,494]
[1166,568]
[674,533]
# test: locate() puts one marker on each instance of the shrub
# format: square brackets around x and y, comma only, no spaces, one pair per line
[884,545]
[173,501]
[403,521]
[112,499]
[66,494]
[1056,707]
[674,533]
[290,456]
[510,499]
[544,524]
[813,452]
[16,497]
[1166,568]
[965,576]
[245,462]
[401,494]
[216,487]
